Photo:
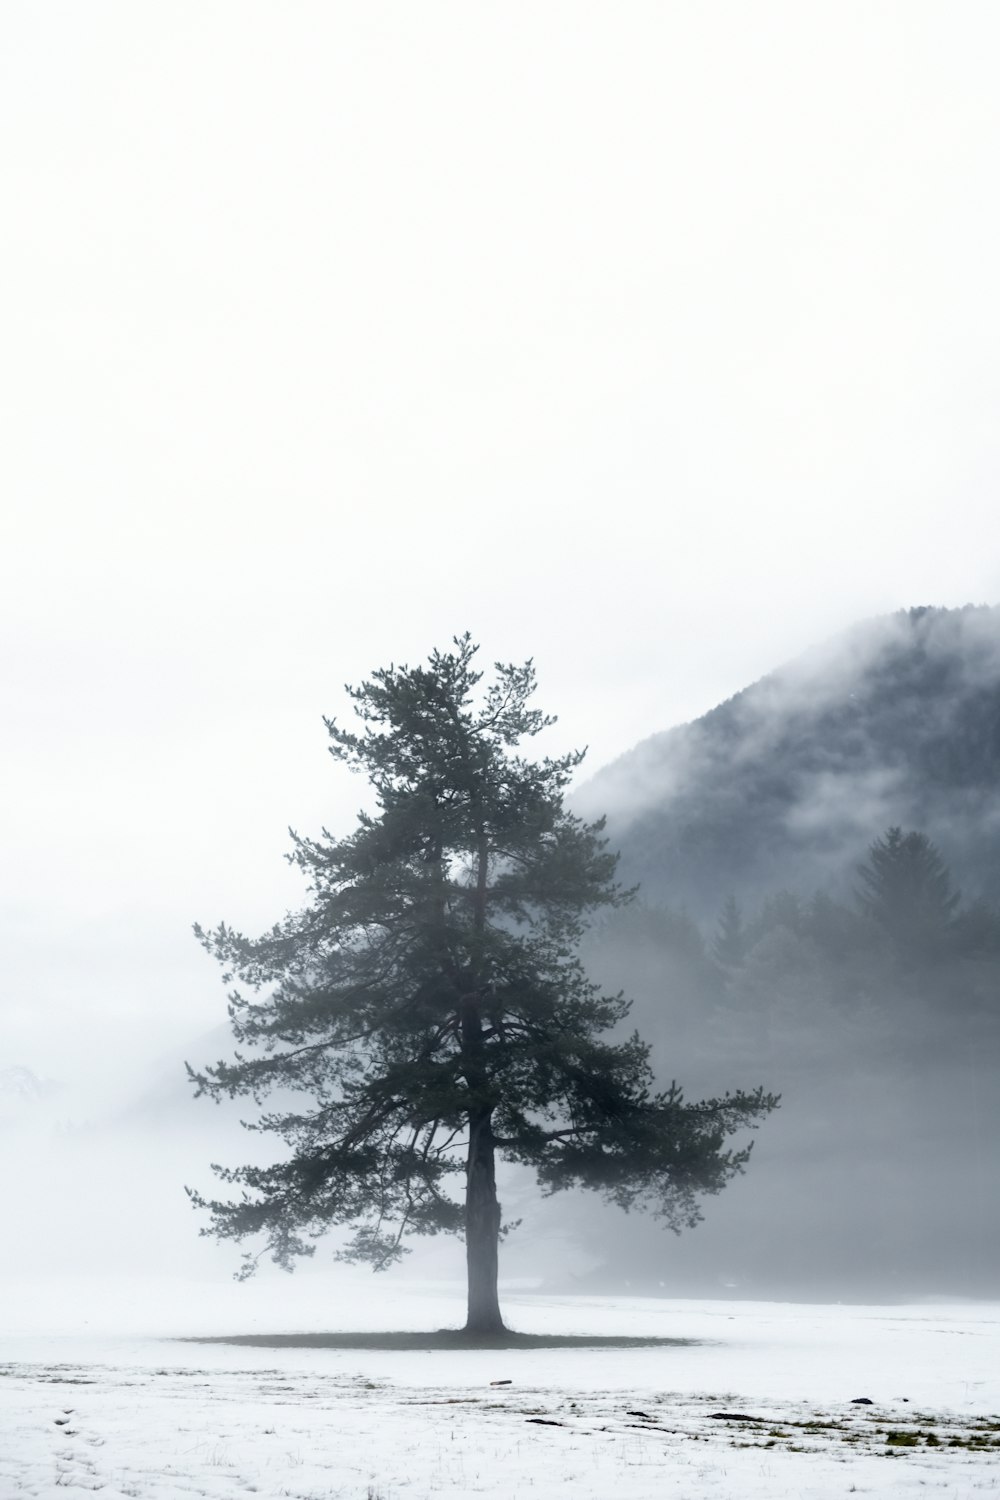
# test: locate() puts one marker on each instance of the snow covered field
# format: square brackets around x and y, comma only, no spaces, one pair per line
[96,1395]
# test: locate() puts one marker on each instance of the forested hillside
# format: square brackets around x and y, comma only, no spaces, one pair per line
[819,912]
[895,723]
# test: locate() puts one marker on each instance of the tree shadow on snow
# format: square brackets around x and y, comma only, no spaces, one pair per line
[442,1338]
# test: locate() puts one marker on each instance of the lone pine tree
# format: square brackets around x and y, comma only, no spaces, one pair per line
[428,1011]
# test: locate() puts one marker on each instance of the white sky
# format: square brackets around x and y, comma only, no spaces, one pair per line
[657,341]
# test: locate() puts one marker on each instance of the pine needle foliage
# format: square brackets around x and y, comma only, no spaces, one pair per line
[427,1009]
[906,891]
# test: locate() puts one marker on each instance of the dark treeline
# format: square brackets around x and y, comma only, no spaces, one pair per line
[878,1020]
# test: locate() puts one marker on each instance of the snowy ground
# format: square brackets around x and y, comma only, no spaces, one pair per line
[762,1405]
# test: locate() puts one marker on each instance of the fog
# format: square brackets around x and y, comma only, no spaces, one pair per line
[657,343]
[877,1179]
[95,1173]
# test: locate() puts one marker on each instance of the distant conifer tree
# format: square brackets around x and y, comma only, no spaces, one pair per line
[906,891]
[729,946]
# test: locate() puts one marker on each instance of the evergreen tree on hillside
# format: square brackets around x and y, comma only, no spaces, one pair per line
[906,891]
[429,1008]
[730,944]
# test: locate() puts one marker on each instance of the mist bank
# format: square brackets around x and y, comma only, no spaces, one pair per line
[878,1021]
[878,1178]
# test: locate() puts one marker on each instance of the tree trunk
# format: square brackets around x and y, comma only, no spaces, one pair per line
[482,1211]
[482,1229]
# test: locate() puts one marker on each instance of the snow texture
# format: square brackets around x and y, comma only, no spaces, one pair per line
[763,1404]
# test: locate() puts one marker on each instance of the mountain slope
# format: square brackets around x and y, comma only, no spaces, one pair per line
[786,784]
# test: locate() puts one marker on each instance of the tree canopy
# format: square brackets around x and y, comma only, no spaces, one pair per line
[427,1009]
[905,889]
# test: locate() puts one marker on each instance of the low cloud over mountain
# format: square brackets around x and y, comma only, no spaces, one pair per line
[897,722]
